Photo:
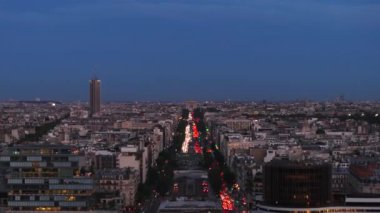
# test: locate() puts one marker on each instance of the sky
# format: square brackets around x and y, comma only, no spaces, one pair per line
[174,50]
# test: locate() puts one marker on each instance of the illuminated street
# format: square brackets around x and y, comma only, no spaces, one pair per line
[188,138]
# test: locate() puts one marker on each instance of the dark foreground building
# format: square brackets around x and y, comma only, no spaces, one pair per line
[297,184]
[46,177]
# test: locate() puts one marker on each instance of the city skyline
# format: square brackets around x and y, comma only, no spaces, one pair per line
[90,99]
[215,157]
[180,50]
[217,106]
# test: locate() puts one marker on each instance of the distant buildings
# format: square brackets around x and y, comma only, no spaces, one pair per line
[94,96]
[116,148]
[191,105]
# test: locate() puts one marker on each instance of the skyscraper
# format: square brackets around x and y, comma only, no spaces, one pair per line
[94,96]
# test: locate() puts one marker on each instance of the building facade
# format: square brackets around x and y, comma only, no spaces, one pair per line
[94,96]
[297,184]
[122,181]
[46,177]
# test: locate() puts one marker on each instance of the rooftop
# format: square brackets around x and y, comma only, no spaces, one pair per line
[365,171]
[189,204]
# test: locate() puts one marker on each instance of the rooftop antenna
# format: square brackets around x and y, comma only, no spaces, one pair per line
[94,76]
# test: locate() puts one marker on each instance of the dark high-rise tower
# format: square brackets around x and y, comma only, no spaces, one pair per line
[94,96]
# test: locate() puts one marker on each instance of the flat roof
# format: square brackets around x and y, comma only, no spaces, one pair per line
[362,200]
[319,209]
[189,204]
[190,174]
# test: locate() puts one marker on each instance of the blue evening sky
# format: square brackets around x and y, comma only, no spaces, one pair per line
[190,49]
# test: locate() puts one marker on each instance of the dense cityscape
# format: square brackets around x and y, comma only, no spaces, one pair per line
[189,106]
[193,156]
